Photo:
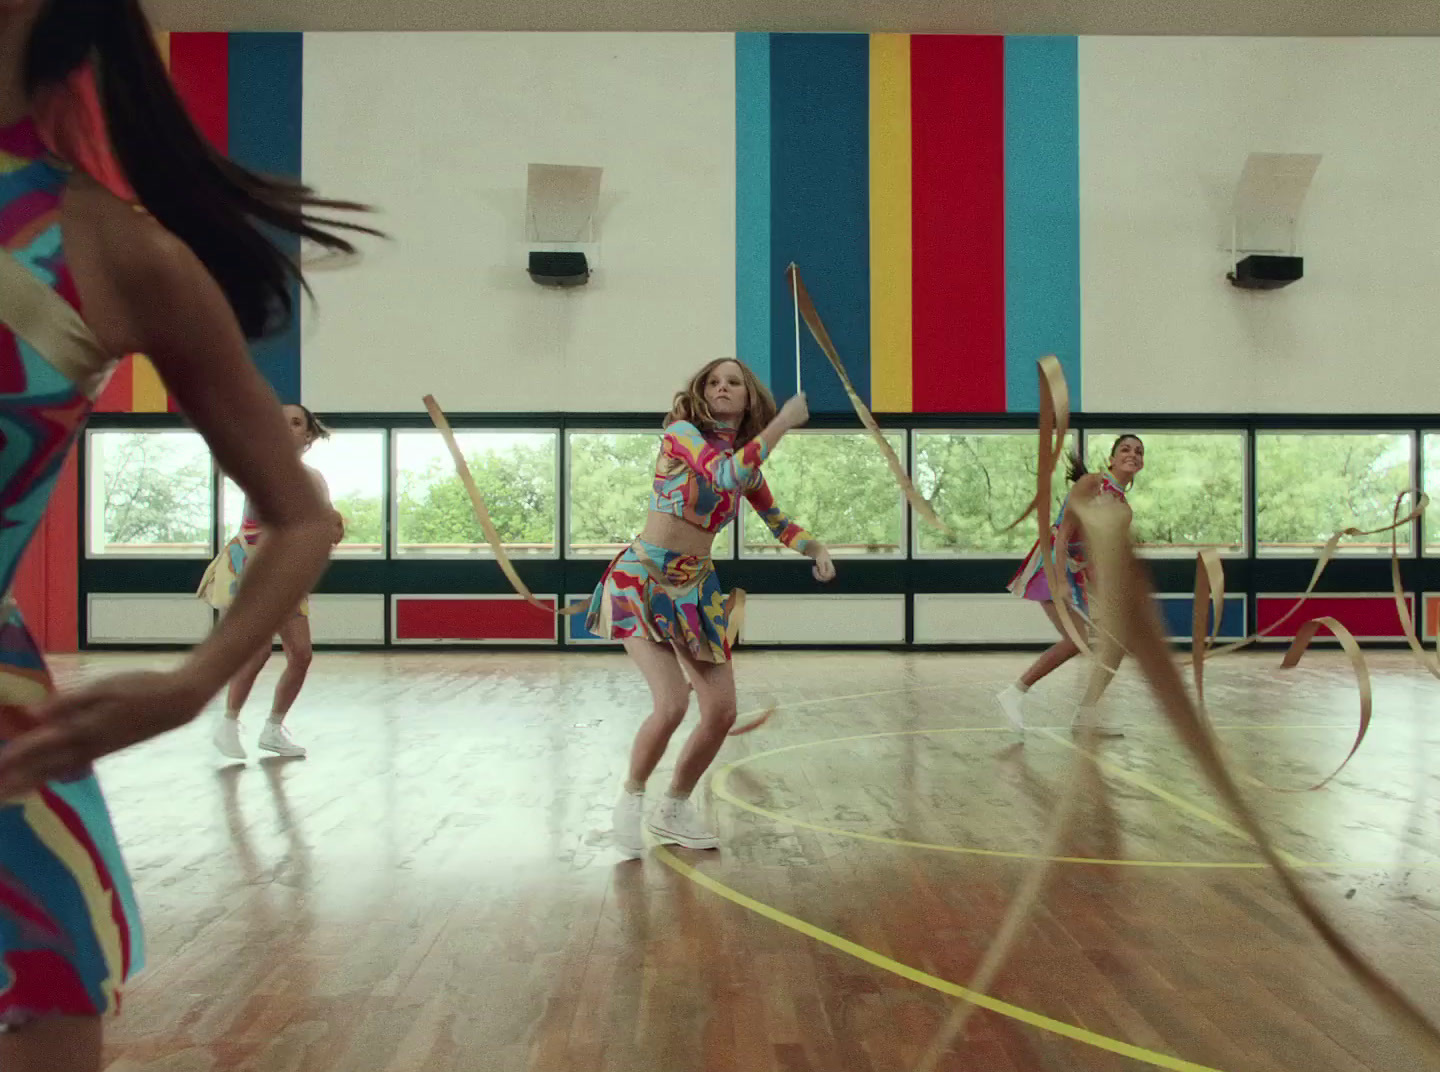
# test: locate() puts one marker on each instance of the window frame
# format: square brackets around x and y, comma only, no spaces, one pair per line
[338,553]
[1413,433]
[87,527]
[1247,492]
[915,525]
[483,551]
[747,516]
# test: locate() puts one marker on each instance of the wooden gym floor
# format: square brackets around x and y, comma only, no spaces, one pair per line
[433,888]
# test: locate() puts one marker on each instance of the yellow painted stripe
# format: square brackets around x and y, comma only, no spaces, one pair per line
[148,393]
[890,250]
[915,975]
[162,42]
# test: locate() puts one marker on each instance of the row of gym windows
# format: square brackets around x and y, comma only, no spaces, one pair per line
[153,493]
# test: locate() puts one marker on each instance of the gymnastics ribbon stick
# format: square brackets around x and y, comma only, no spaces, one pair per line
[482,515]
[808,313]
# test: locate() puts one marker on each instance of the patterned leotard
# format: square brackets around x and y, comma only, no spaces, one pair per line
[69,928]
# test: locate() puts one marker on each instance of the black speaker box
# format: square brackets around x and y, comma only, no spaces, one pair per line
[1265,272]
[559,269]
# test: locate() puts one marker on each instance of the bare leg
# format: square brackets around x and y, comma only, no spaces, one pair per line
[715,689]
[295,639]
[669,695]
[1053,657]
[244,681]
[55,1044]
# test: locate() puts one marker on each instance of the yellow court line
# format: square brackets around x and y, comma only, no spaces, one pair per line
[915,975]
[1175,801]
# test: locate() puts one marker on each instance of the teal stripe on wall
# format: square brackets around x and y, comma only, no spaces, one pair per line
[1042,215]
[752,202]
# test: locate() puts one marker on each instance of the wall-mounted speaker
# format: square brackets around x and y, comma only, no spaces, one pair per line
[560,269]
[1266,272]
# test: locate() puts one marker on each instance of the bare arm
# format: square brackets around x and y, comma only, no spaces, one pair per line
[205,364]
[144,291]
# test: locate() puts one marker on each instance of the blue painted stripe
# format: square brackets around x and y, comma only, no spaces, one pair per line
[1042,215]
[1176,612]
[820,208]
[266,84]
[752,202]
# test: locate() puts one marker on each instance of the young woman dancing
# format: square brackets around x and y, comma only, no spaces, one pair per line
[218,588]
[661,595]
[121,231]
[1127,457]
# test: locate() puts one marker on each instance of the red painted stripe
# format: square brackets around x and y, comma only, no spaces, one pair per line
[472,619]
[200,69]
[62,560]
[119,393]
[957,112]
[1365,616]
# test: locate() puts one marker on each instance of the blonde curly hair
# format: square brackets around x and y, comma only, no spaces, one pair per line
[690,405]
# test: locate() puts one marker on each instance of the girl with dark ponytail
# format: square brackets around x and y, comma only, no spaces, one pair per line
[91,131]
[1127,457]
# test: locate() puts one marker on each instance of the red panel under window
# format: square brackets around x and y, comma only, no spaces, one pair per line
[472,619]
[1365,616]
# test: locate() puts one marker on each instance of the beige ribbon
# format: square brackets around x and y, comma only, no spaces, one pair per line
[1125,598]
[52,327]
[482,514]
[812,320]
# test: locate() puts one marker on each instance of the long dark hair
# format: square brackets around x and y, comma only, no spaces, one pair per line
[1075,466]
[219,209]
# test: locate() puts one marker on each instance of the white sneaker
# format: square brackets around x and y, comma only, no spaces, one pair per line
[276,738]
[629,810]
[1087,721]
[677,822]
[1012,702]
[226,738]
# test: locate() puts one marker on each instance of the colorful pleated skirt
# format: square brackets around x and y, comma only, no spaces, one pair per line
[222,577]
[664,596]
[1031,583]
[70,932]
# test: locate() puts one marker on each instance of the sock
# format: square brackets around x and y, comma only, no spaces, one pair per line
[634,788]
[1021,687]
[673,794]
[275,720]
[233,716]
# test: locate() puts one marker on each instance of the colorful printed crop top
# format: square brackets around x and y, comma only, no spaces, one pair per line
[700,477]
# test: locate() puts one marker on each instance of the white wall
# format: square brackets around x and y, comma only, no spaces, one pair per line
[437,130]
[1165,126]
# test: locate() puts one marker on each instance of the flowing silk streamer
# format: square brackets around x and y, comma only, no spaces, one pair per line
[806,309]
[1123,592]
[482,515]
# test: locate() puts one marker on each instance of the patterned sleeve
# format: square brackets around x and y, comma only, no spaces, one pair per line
[727,470]
[785,530]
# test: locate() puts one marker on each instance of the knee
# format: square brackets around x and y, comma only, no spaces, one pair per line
[670,709]
[719,714]
[300,657]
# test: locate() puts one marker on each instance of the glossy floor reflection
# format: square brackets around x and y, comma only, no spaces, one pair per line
[433,888]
